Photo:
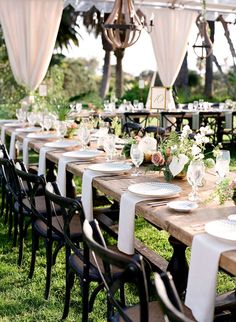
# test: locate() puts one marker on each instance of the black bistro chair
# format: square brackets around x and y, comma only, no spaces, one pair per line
[46,224]
[169,301]
[79,262]
[132,270]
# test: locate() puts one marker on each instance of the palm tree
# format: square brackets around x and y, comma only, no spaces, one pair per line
[107,47]
[68,29]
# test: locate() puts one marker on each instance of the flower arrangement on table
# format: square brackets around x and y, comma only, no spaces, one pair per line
[71,130]
[175,152]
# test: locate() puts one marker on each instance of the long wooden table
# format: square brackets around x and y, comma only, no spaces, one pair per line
[181,226]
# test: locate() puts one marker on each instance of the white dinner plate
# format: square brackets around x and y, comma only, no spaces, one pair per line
[182,205]
[13,124]
[29,129]
[83,155]
[155,189]
[61,144]
[42,136]
[222,229]
[112,167]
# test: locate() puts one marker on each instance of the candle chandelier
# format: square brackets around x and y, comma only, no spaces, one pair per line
[203,45]
[123,26]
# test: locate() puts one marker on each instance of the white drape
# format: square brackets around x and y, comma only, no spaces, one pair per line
[170,36]
[30,28]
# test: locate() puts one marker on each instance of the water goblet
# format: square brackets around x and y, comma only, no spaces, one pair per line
[61,127]
[137,157]
[84,137]
[48,122]
[195,174]
[222,164]
[109,145]
[135,104]
[106,105]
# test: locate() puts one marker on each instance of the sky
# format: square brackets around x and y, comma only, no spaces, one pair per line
[140,56]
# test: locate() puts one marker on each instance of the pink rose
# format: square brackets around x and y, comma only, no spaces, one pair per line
[158,159]
[137,138]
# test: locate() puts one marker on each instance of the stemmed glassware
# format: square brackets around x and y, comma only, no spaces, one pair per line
[137,156]
[84,136]
[222,164]
[109,145]
[61,129]
[195,175]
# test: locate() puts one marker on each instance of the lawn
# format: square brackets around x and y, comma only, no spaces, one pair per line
[22,299]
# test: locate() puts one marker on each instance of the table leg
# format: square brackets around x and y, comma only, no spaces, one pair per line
[51,175]
[70,185]
[178,266]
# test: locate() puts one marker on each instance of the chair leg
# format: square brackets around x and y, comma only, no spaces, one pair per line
[69,284]
[3,200]
[56,251]
[21,239]
[15,214]
[93,296]
[10,218]
[35,242]
[6,210]
[49,267]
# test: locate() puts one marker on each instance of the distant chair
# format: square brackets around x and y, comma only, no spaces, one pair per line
[157,131]
[139,117]
[131,128]
[172,121]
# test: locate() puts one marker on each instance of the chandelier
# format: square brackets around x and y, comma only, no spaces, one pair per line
[123,26]
[203,46]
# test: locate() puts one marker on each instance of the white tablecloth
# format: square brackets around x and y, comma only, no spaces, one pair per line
[42,159]
[201,288]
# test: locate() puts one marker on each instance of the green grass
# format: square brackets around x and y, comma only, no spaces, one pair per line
[22,299]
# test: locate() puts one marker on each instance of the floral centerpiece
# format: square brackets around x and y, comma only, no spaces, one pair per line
[175,152]
[71,130]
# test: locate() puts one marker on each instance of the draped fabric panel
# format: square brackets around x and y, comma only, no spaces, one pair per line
[30,29]
[172,28]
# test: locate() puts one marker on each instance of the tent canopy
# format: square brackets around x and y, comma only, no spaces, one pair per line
[224,6]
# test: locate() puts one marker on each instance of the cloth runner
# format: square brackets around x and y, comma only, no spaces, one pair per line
[126,221]
[61,173]
[195,120]
[42,159]
[87,192]
[201,287]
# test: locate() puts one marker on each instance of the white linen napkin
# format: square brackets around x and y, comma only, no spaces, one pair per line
[26,151]
[201,288]
[42,159]
[61,173]
[195,120]
[87,192]
[128,202]
[228,119]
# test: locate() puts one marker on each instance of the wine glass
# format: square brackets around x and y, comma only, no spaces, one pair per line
[106,105]
[61,129]
[84,137]
[195,174]
[135,104]
[109,144]
[137,156]
[48,122]
[222,164]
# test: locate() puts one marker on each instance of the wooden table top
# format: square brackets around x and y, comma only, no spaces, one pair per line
[182,226]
